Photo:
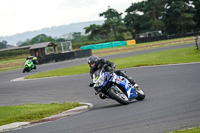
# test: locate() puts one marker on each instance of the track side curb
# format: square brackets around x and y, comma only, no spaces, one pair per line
[19,125]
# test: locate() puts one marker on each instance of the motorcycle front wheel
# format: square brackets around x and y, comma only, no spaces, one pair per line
[24,70]
[141,94]
[118,95]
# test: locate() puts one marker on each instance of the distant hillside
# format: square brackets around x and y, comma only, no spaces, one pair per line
[55,31]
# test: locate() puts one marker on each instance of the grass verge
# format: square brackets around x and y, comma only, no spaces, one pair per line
[32,112]
[189,130]
[181,55]
[10,68]
[61,72]
[12,63]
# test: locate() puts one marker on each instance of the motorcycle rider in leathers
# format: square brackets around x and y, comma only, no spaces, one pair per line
[96,63]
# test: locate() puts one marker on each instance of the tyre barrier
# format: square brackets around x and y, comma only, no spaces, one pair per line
[64,56]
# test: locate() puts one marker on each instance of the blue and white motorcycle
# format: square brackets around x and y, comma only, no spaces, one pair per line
[116,87]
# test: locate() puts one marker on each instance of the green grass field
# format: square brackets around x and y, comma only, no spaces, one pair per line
[189,130]
[12,63]
[32,112]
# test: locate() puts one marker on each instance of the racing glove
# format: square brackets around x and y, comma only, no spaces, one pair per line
[91,84]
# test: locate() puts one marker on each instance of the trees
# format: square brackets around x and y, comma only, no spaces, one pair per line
[133,18]
[169,16]
[114,22]
[93,30]
[153,15]
[111,14]
[76,35]
[3,44]
[196,17]
[105,30]
[145,16]
[179,16]
[42,38]
[38,39]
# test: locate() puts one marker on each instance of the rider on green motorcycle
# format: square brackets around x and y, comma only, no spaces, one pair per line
[28,66]
[34,61]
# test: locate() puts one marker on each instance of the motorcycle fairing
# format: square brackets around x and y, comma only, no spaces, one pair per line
[125,84]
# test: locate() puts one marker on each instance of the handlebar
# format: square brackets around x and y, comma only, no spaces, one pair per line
[105,66]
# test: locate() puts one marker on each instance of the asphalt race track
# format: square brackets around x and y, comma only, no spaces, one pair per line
[172,99]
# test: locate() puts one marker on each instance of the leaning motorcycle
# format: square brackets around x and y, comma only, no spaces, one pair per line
[116,87]
[28,66]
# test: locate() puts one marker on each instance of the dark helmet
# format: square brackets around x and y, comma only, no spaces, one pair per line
[93,61]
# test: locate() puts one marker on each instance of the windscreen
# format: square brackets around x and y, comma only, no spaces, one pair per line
[96,74]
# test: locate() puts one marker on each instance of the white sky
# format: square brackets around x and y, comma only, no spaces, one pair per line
[17,16]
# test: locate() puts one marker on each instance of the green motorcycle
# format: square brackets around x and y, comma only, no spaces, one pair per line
[28,66]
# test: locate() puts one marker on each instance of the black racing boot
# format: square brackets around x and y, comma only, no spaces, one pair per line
[132,81]
[102,96]
[135,85]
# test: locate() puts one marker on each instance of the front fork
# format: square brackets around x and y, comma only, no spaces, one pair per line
[104,91]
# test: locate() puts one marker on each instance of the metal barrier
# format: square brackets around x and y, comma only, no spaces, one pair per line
[165,37]
[104,45]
